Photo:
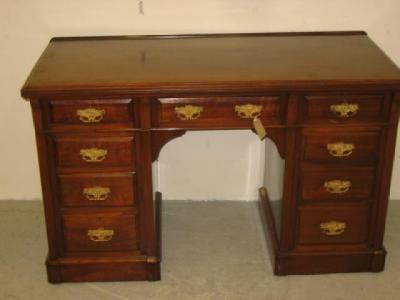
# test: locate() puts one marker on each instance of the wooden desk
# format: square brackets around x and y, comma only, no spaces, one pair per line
[103,108]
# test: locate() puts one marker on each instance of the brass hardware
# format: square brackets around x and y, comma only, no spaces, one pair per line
[248,111]
[259,128]
[188,112]
[345,110]
[340,149]
[93,154]
[264,191]
[337,186]
[252,111]
[100,234]
[333,227]
[96,193]
[152,259]
[90,115]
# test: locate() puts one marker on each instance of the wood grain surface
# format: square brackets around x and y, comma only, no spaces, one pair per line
[188,61]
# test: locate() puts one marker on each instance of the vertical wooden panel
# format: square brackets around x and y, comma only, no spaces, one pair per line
[290,176]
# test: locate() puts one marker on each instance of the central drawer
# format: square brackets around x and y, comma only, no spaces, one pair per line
[218,112]
[100,230]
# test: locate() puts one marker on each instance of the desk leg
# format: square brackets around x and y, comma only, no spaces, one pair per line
[154,271]
[269,227]
[148,208]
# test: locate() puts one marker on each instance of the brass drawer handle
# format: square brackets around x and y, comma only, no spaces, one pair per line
[333,228]
[248,111]
[188,112]
[90,115]
[93,154]
[100,234]
[345,110]
[96,193]
[340,149]
[337,186]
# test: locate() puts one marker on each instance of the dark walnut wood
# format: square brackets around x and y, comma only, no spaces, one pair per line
[93,151]
[317,108]
[187,63]
[311,217]
[319,184]
[91,112]
[98,230]
[101,189]
[342,146]
[104,107]
[223,112]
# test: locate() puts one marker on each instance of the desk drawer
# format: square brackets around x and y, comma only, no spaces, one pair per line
[337,184]
[219,112]
[95,152]
[341,145]
[350,108]
[96,230]
[92,113]
[97,190]
[333,224]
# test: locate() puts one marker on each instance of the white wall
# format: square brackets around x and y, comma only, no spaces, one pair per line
[26,27]
[206,165]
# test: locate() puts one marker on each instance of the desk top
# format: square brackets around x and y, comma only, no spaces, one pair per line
[176,63]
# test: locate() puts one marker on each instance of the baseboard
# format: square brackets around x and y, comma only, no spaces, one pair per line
[315,262]
[95,269]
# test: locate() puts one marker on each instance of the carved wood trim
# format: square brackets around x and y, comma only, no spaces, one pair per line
[160,138]
[277,135]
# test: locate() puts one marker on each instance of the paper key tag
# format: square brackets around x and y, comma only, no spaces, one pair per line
[259,127]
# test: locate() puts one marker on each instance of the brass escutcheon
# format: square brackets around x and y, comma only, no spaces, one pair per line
[93,154]
[90,115]
[100,234]
[96,193]
[340,149]
[337,186]
[188,112]
[333,227]
[248,111]
[345,110]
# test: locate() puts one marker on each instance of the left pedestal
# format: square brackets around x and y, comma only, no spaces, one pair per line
[90,155]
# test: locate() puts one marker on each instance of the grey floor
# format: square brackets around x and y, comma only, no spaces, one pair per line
[212,250]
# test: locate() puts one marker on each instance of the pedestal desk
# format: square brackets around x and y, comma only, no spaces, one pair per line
[103,107]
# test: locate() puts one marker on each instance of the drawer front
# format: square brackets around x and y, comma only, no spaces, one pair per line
[344,108]
[93,230]
[219,112]
[333,224]
[337,184]
[341,145]
[97,190]
[95,152]
[91,113]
